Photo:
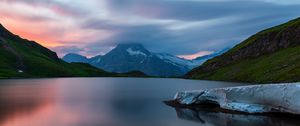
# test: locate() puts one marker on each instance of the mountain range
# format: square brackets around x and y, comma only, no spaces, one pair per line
[24,58]
[270,56]
[135,57]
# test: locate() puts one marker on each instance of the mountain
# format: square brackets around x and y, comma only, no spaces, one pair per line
[24,58]
[134,57]
[94,60]
[76,58]
[71,57]
[269,56]
[183,64]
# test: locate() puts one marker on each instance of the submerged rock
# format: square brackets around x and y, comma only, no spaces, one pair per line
[275,98]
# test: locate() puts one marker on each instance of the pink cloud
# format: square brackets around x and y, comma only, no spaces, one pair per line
[198,54]
[57,7]
[47,27]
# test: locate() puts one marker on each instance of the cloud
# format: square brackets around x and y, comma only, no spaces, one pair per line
[194,10]
[188,27]
[196,55]
[62,50]
[179,27]
[56,6]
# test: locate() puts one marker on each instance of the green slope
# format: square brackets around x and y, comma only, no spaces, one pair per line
[36,61]
[270,56]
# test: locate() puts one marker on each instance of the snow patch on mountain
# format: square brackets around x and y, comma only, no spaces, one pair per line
[135,52]
[174,60]
[177,61]
[97,61]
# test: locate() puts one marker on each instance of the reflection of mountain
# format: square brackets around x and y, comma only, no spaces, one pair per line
[9,109]
[210,118]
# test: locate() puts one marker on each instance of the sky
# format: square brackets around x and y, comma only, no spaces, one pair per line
[186,28]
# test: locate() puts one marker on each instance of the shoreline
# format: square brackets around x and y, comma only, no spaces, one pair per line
[252,99]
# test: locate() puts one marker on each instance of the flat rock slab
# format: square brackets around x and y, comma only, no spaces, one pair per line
[278,98]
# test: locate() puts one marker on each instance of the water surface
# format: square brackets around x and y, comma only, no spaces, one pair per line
[111,102]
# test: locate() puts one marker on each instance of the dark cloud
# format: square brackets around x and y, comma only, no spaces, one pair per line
[235,21]
[98,24]
[196,25]
[196,10]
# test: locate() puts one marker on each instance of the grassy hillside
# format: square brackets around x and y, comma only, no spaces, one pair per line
[23,58]
[272,55]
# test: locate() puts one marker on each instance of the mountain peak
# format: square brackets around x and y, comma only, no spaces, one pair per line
[73,57]
[130,45]
[4,31]
[132,49]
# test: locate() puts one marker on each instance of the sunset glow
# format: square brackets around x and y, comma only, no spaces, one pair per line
[93,27]
[193,56]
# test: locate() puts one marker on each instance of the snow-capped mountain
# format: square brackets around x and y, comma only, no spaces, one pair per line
[134,57]
[177,61]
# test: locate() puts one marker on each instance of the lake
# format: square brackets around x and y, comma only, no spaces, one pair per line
[112,102]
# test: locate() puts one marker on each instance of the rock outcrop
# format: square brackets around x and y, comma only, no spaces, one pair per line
[283,98]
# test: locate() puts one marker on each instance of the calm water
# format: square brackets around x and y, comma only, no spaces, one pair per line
[111,102]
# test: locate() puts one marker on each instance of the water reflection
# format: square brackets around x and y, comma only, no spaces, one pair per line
[18,102]
[103,102]
[211,118]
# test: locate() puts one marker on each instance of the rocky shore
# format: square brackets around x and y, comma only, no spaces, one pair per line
[254,99]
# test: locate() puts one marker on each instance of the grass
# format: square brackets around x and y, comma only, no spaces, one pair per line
[274,30]
[282,66]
